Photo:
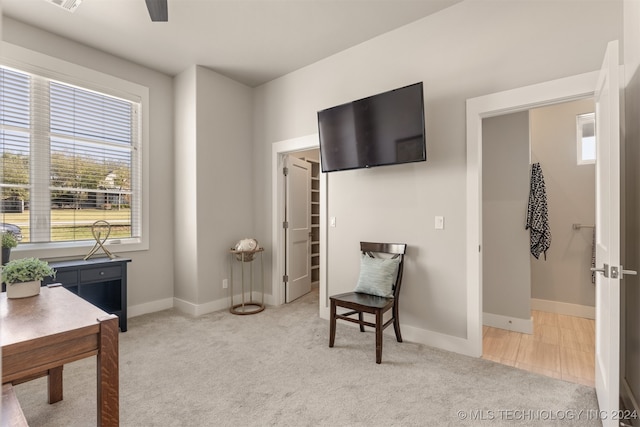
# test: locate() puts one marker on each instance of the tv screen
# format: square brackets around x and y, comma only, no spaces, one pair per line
[383,129]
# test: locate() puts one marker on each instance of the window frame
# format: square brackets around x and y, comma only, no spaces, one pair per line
[29,61]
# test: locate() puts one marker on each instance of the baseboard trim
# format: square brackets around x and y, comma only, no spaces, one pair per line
[436,339]
[420,336]
[200,309]
[565,308]
[149,307]
[524,326]
[216,305]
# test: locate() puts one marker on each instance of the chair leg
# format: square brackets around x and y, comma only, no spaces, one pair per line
[361,318]
[396,324]
[379,337]
[396,327]
[332,324]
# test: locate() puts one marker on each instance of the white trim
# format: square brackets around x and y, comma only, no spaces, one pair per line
[149,307]
[421,336]
[521,99]
[278,151]
[191,308]
[577,310]
[435,339]
[524,326]
[58,69]
[200,309]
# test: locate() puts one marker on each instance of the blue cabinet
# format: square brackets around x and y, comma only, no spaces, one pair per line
[101,281]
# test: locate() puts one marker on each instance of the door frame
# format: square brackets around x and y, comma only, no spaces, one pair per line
[511,101]
[278,152]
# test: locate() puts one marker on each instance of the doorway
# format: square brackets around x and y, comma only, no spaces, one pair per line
[302,218]
[604,87]
[516,100]
[538,313]
[279,151]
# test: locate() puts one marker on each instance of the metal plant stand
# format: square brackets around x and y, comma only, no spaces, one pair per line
[246,258]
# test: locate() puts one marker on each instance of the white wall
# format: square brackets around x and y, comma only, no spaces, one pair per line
[150,281]
[564,276]
[506,269]
[467,50]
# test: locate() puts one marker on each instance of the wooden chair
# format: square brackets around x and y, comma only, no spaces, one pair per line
[360,303]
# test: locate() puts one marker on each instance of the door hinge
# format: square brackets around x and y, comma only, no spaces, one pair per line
[285,224]
[285,171]
[285,278]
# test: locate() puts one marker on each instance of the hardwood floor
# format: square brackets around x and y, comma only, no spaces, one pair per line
[561,347]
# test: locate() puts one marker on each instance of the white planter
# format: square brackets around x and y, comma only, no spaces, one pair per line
[23,289]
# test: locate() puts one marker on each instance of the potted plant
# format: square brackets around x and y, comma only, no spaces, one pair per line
[8,241]
[23,276]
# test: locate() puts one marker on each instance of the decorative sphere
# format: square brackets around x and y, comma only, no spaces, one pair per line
[246,245]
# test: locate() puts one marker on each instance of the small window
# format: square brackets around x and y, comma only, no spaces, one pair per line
[586,138]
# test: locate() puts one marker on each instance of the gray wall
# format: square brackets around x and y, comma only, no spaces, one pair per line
[224,176]
[213,206]
[151,272]
[565,275]
[506,272]
[467,50]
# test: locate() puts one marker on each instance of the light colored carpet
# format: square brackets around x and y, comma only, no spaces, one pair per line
[275,368]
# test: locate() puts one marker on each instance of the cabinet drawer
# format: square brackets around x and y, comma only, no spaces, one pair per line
[66,277]
[100,273]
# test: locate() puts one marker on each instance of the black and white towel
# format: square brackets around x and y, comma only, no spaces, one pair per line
[537,214]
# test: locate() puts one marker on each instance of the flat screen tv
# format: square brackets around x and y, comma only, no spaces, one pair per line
[383,129]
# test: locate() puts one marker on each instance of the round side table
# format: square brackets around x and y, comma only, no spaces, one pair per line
[246,258]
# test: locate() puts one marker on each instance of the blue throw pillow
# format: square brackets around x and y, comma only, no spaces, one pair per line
[377,276]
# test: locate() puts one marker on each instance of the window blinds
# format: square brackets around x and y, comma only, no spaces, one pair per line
[80,149]
[15,137]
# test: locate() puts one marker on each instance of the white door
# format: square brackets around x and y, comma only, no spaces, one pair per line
[298,220]
[607,356]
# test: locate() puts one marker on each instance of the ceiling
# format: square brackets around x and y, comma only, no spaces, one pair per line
[251,41]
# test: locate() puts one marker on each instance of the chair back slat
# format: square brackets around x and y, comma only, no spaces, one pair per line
[395,249]
[388,248]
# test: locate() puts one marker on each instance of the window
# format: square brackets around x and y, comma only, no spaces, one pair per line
[69,156]
[586,138]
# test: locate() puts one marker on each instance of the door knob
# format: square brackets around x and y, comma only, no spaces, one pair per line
[629,272]
[619,272]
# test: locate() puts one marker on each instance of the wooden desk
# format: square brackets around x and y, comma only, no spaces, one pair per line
[40,334]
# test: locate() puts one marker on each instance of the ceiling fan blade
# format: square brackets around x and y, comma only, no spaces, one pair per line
[158,10]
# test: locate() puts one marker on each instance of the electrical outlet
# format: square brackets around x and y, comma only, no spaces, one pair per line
[225,283]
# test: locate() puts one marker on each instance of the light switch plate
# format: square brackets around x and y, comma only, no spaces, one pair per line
[439,223]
